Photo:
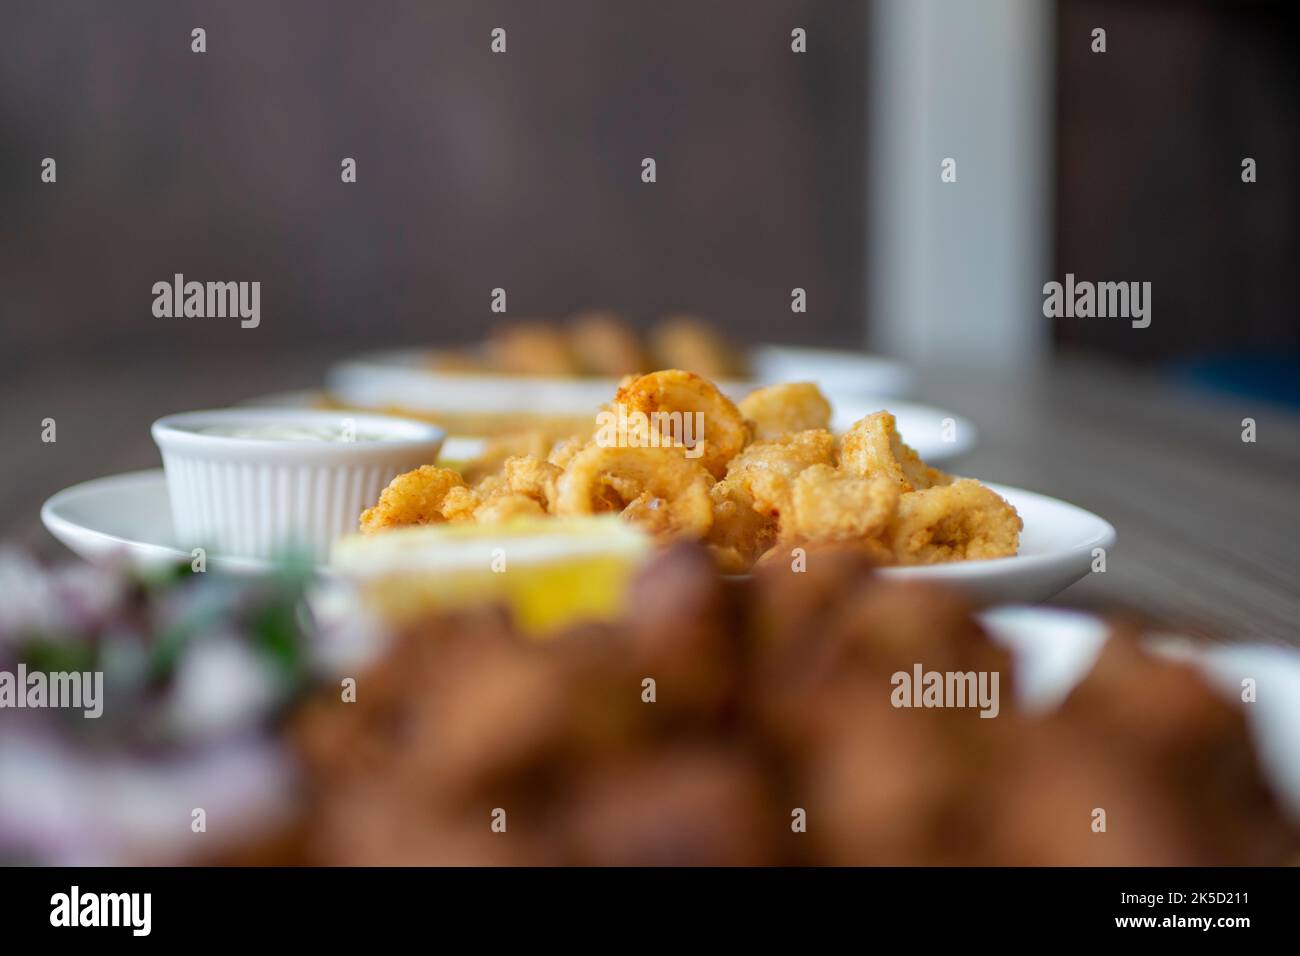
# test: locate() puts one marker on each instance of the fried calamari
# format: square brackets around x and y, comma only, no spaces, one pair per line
[416,497]
[781,409]
[963,521]
[754,480]
[874,447]
[666,398]
[657,488]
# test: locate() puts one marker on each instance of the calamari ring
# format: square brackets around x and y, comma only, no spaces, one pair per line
[873,447]
[964,521]
[414,497]
[657,488]
[724,431]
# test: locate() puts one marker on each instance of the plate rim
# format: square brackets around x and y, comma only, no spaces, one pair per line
[1105,537]
[400,357]
[63,528]
[60,526]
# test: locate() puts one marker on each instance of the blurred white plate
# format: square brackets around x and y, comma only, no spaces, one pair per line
[1054,649]
[937,435]
[407,377]
[128,518]
[836,370]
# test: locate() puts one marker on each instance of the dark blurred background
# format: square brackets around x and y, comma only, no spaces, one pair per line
[475,170]
[522,170]
[1149,143]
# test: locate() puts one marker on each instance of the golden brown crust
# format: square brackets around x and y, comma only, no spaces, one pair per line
[781,409]
[963,521]
[415,497]
[673,391]
[658,488]
[748,500]
[873,447]
[740,532]
[828,505]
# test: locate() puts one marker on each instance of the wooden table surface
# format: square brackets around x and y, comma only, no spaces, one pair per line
[1209,525]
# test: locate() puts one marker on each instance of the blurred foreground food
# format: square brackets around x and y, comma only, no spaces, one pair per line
[189,673]
[771,701]
[546,573]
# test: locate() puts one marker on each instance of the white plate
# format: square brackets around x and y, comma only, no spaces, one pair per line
[127,517]
[411,370]
[835,370]
[1054,649]
[408,377]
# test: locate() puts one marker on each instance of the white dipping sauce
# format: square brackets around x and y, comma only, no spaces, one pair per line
[271,431]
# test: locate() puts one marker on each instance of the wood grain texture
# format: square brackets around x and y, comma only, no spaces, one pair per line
[1208,525]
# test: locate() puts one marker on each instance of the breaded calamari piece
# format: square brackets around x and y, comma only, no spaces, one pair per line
[963,521]
[829,505]
[873,447]
[415,497]
[460,503]
[780,409]
[740,532]
[532,477]
[766,469]
[501,508]
[525,487]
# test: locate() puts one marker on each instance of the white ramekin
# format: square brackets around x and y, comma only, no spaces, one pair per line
[265,498]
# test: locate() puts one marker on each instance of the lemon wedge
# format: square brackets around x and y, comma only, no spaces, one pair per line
[550,572]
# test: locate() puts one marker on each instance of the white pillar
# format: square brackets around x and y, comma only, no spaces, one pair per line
[955,270]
